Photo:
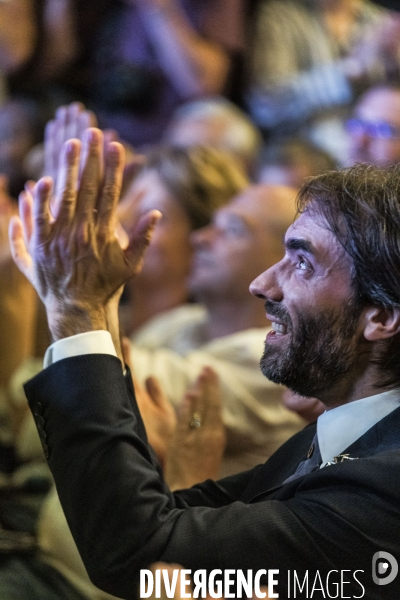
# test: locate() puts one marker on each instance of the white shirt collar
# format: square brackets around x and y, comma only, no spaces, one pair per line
[339,427]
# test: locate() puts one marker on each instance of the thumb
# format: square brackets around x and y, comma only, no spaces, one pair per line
[139,238]
[19,251]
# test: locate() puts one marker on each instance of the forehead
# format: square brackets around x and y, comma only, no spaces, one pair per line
[310,233]
[250,212]
[380,105]
[244,207]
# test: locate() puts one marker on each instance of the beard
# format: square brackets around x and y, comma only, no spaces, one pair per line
[322,349]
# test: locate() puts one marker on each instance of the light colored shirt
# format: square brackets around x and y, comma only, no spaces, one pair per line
[91,342]
[339,427]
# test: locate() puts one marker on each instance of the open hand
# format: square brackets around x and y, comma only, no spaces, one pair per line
[69,249]
[196,449]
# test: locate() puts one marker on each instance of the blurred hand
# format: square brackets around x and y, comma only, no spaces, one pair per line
[196,449]
[158,415]
[307,408]
[381,48]
[69,122]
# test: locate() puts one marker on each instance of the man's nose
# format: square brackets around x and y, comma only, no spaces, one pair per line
[266,285]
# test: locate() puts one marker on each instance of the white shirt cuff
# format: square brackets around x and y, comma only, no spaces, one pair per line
[90,342]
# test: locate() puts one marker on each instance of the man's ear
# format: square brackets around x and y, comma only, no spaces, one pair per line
[381,323]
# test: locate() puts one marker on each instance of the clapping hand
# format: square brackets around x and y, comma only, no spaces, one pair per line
[65,242]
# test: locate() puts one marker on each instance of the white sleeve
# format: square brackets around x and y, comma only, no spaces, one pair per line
[90,342]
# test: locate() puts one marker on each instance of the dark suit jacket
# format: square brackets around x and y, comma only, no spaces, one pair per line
[123,517]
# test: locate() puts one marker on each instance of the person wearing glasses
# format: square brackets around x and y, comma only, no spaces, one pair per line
[374,129]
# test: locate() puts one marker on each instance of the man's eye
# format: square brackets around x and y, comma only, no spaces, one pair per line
[234,229]
[302,264]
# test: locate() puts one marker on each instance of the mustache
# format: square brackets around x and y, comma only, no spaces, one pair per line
[275,309]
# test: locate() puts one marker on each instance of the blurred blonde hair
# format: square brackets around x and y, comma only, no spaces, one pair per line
[200,178]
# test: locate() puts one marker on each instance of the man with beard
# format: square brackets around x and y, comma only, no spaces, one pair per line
[325,506]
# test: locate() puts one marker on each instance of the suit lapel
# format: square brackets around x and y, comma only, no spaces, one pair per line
[279,466]
[383,436]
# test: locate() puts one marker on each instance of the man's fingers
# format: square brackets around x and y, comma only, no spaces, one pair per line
[64,204]
[210,398]
[110,135]
[139,239]
[86,119]
[25,206]
[59,134]
[110,193]
[72,128]
[128,207]
[121,235]
[50,154]
[19,250]
[185,413]
[91,177]
[41,210]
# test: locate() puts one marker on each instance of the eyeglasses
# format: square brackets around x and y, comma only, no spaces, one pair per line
[374,129]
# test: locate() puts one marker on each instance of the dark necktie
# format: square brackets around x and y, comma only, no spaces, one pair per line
[311,463]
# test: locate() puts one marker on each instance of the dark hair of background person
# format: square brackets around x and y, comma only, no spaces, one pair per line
[297,151]
[200,178]
[361,206]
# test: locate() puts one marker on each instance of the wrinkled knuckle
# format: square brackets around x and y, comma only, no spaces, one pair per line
[82,234]
[68,197]
[111,190]
[41,221]
[89,188]
[102,235]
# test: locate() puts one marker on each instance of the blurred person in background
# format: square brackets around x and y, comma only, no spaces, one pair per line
[216,122]
[152,55]
[374,127]
[311,59]
[133,61]
[186,186]
[226,329]
[290,161]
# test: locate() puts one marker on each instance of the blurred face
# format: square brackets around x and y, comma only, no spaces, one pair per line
[317,325]
[375,129]
[234,247]
[168,257]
